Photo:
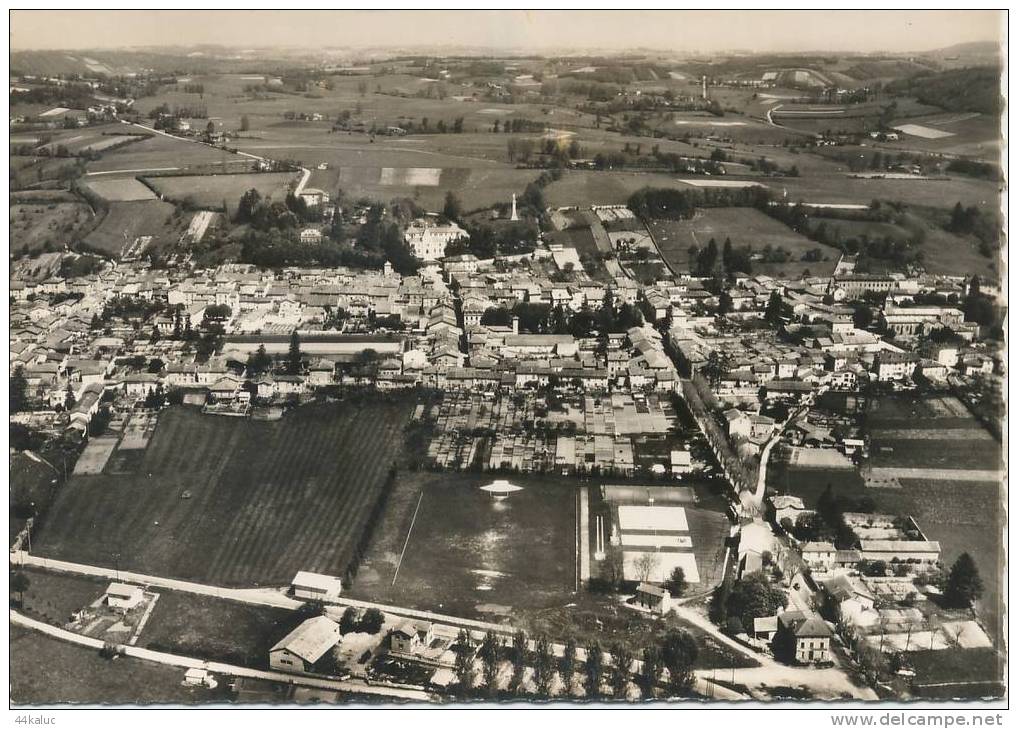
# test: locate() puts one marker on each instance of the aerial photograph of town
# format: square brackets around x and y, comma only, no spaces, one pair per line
[423,358]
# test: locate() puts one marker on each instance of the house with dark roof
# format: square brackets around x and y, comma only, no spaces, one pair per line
[807,636]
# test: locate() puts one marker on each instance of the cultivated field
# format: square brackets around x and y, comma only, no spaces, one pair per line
[233,501]
[745,226]
[214,189]
[160,152]
[468,554]
[33,227]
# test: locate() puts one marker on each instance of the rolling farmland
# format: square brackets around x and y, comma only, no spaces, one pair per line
[234,501]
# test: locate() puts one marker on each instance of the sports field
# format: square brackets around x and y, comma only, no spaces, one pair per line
[263,499]
[469,554]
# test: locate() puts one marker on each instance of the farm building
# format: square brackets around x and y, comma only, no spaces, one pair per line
[313,586]
[123,597]
[298,651]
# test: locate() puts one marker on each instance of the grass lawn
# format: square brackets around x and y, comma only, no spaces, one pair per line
[52,597]
[267,498]
[206,627]
[470,555]
[45,670]
[746,227]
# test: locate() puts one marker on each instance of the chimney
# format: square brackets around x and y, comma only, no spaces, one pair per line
[516,324]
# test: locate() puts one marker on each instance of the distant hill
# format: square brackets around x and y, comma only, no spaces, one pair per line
[966,89]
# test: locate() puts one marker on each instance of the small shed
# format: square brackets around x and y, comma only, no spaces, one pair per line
[123,597]
[314,586]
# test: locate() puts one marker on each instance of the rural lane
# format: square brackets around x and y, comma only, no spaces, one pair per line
[354,686]
[825,679]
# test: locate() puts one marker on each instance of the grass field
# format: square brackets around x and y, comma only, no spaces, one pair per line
[126,221]
[468,554]
[34,226]
[745,226]
[205,627]
[267,499]
[119,189]
[212,190]
[45,671]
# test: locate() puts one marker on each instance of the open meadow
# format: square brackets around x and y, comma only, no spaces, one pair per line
[53,224]
[46,671]
[233,501]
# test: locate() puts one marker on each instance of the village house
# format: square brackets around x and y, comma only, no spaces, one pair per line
[652,597]
[807,634]
[410,637]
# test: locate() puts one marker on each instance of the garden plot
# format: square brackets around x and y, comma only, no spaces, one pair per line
[95,456]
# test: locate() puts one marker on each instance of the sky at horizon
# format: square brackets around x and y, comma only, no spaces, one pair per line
[698,31]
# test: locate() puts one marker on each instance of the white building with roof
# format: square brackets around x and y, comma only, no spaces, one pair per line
[427,239]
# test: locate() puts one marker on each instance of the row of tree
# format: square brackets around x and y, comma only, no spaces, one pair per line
[676,653]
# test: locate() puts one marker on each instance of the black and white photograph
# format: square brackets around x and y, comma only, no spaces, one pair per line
[508,359]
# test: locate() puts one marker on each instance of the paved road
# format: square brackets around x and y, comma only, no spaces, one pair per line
[355,686]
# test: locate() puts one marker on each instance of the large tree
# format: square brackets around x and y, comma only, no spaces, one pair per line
[964,585]
[18,391]
[755,597]
[651,668]
[489,655]
[294,358]
[679,653]
[543,666]
[464,664]
[593,668]
[676,582]
[622,665]
[567,667]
